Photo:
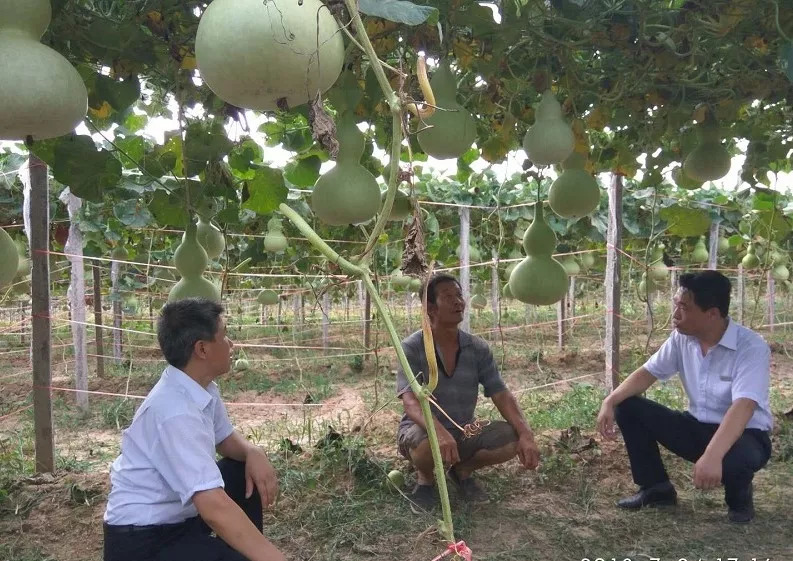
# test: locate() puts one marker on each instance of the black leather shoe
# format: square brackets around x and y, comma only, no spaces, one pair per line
[742,515]
[660,494]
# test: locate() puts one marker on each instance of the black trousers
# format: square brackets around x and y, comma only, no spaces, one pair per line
[189,540]
[645,424]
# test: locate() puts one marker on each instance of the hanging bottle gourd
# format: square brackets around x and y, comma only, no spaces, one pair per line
[570,265]
[550,139]
[478,301]
[402,207]
[657,269]
[539,279]
[275,241]
[210,238]
[750,260]
[190,259]
[506,292]
[575,193]
[9,257]
[780,272]
[587,260]
[514,254]
[724,244]
[700,253]
[710,159]
[348,193]
[453,129]
[267,297]
[645,287]
[41,94]
[684,181]
[777,256]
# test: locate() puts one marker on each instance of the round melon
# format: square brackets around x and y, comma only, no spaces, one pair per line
[275,241]
[190,259]
[194,287]
[210,238]
[451,129]
[267,297]
[575,193]
[46,103]
[9,257]
[396,478]
[539,239]
[241,365]
[347,194]
[267,55]
[539,280]
[550,139]
[402,207]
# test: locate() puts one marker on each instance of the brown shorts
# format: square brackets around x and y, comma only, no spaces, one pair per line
[495,435]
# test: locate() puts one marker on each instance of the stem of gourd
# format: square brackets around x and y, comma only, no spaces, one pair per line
[419,391]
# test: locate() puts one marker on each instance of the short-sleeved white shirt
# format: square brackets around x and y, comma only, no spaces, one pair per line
[168,453]
[737,367]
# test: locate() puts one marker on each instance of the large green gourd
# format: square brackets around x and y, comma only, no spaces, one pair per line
[684,181]
[575,193]
[210,238]
[658,271]
[453,129]
[700,253]
[750,260]
[550,139]
[348,193]
[275,241]
[710,159]
[190,259]
[539,279]
[9,257]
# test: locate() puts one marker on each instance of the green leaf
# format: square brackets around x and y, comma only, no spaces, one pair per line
[120,95]
[45,149]
[685,222]
[134,123]
[86,170]
[132,213]
[399,11]
[168,209]
[265,191]
[133,148]
[243,155]
[304,172]
[204,143]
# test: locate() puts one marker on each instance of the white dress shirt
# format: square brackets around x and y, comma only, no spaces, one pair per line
[168,453]
[737,367]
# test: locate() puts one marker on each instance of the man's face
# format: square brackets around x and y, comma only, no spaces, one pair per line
[688,318]
[219,350]
[449,304]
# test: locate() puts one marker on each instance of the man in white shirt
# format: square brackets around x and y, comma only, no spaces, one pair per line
[168,494]
[724,368]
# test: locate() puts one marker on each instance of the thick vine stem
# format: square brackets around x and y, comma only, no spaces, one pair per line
[420,392]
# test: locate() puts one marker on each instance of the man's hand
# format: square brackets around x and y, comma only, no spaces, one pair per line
[606,423]
[259,472]
[449,453]
[528,453]
[707,472]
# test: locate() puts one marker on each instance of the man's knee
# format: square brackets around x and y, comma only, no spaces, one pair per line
[628,409]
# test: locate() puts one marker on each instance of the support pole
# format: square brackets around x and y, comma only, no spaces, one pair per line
[115,270]
[613,283]
[100,343]
[367,323]
[771,295]
[713,253]
[741,290]
[495,293]
[40,289]
[465,265]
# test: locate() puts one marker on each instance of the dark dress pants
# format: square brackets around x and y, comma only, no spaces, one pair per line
[190,540]
[645,424]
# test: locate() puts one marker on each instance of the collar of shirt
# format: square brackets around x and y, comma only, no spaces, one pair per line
[199,395]
[730,337]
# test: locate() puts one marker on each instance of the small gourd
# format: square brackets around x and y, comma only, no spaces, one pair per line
[575,193]
[478,301]
[710,159]
[700,253]
[571,266]
[750,260]
[539,279]
[415,285]
[683,181]
[587,260]
[550,139]
[780,273]
[275,241]
[402,207]
[267,297]
[41,94]
[451,128]
[399,280]
[724,244]
[658,271]
[210,238]
[348,193]
[190,259]
[9,257]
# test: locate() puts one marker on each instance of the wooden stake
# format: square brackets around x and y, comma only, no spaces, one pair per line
[613,283]
[100,344]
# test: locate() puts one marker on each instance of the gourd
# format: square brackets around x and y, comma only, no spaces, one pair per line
[750,260]
[9,257]
[657,269]
[514,254]
[570,265]
[402,207]
[275,241]
[241,365]
[190,259]
[396,478]
[683,181]
[267,297]
[700,253]
[780,273]
[724,244]
[348,193]
[587,260]
[539,279]
[474,255]
[575,193]
[550,139]
[268,55]
[210,238]
[415,285]
[478,301]
[451,129]
[710,159]
[41,94]
[400,280]
[506,292]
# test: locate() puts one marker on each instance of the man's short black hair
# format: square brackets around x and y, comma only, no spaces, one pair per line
[182,324]
[432,284]
[710,289]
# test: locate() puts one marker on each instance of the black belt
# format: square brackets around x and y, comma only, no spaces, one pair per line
[133,528]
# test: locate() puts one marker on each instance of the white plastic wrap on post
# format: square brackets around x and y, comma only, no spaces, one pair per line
[465,264]
[571,303]
[613,283]
[409,308]
[561,305]
[115,273]
[74,251]
[495,292]
[325,319]
[740,293]
[713,252]
[771,304]
[295,311]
